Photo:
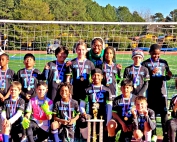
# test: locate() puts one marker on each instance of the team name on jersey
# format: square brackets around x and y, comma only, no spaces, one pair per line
[156,64]
[24,75]
[102,91]
[7,76]
[65,108]
[59,68]
[108,70]
[13,105]
[80,66]
[135,72]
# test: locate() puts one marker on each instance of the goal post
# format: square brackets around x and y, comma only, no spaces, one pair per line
[18,37]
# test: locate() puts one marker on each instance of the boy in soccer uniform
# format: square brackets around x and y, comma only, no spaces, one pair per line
[96,52]
[171,125]
[6,77]
[157,92]
[81,69]
[29,77]
[12,111]
[38,114]
[137,73]
[143,119]
[96,95]
[121,113]
[56,72]
[67,112]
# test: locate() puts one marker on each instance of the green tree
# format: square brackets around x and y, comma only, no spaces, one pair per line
[123,14]
[6,9]
[137,17]
[158,17]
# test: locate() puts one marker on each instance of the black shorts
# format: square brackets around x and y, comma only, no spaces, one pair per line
[66,133]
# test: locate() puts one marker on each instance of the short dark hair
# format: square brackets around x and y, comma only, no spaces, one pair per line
[126,82]
[61,48]
[42,83]
[154,47]
[96,70]
[113,51]
[65,84]
[29,55]
[6,55]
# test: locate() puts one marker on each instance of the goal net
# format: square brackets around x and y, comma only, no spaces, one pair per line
[42,38]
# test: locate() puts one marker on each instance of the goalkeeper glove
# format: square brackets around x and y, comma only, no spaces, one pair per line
[45,108]
[25,122]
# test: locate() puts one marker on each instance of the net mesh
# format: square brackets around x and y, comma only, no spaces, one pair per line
[42,37]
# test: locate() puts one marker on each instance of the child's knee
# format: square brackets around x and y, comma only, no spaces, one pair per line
[137,134]
[84,132]
[146,127]
[112,125]
[6,130]
[54,125]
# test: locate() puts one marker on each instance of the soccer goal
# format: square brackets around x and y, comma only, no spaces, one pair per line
[42,37]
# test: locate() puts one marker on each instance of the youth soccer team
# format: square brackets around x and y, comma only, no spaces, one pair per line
[56,103]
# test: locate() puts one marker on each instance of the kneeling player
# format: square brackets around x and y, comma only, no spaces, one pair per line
[122,117]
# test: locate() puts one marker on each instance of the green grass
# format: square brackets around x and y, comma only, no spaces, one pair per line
[16,63]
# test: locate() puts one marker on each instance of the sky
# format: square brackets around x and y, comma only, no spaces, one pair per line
[154,6]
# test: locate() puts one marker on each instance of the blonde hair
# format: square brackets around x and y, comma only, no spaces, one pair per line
[16,84]
[140,98]
[81,42]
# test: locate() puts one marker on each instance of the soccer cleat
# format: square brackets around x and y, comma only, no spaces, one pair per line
[154,138]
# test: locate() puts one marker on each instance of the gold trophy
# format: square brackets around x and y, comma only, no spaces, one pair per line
[94,121]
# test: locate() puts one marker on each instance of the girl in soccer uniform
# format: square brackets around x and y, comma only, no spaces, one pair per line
[110,71]
[56,72]
[96,95]
[122,117]
[137,73]
[67,112]
[96,52]
[157,91]
[81,69]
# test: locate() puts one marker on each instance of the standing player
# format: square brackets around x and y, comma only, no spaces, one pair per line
[137,73]
[56,72]
[144,119]
[157,92]
[12,111]
[67,112]
[96,95]
[29,77]
[171,125]
[111,71]
[96,52]
[6,77]
[81,70]
[121,112]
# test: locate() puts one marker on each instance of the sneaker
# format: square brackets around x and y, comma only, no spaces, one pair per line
[24,139]
[154,138]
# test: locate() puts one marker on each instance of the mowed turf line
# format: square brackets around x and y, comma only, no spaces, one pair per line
[16,63]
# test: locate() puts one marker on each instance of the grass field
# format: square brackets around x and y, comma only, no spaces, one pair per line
[16,63]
